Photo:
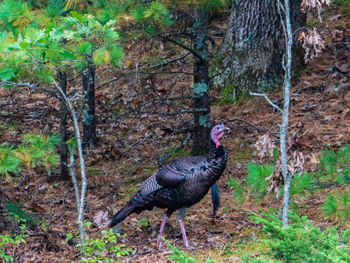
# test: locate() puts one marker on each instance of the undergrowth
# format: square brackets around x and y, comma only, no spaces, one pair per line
[302,241]
[333,173]
[255,185]
[181,257]
[107,248]
[35,150]
[9,243]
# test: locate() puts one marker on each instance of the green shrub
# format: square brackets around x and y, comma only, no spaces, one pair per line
[337,206]
[39,150]
[302,241]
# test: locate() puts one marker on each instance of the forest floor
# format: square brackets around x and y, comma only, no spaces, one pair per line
[130,147]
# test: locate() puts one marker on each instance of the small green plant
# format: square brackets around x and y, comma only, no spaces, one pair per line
[301,185]
[239,192]
[329,161]
[335,166]
[35,150]
[181,257]
[9,242]
[143,222]
[104,249]
[255,180]
[248,258]
[44,223]
[337,206]
[302,241]
[9,161]
[18,213]
[39,150]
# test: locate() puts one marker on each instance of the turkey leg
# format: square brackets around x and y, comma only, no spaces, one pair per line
[180,218]
[159,238]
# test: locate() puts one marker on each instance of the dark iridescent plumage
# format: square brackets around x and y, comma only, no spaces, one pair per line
[180,184]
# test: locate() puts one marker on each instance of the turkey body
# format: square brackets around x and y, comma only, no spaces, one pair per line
[199,174]
[178,185]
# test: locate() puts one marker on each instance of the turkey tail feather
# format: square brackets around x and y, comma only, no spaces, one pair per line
[137,204]
[122,214]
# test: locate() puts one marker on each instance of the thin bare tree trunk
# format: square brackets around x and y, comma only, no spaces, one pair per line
[285,116]
[284,11]
[81,161]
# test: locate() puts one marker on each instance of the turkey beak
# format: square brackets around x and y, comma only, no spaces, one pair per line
[227,129]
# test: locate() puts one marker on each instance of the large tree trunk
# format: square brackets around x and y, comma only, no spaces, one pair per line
[89,119]
[64,175]
[252,51]
[202,119]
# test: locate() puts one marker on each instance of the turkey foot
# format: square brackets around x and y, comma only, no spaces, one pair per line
[188,247]
[159,243]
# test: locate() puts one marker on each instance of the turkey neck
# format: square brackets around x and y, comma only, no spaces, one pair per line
[217,158]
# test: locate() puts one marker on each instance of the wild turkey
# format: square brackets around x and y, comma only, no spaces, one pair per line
[179,185]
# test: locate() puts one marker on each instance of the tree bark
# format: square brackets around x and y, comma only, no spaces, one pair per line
[202,121]
[251,54]
[89,118]
[64,175]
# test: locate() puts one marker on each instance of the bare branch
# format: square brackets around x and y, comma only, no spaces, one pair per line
[267,99]
[166,38]
[169,61]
